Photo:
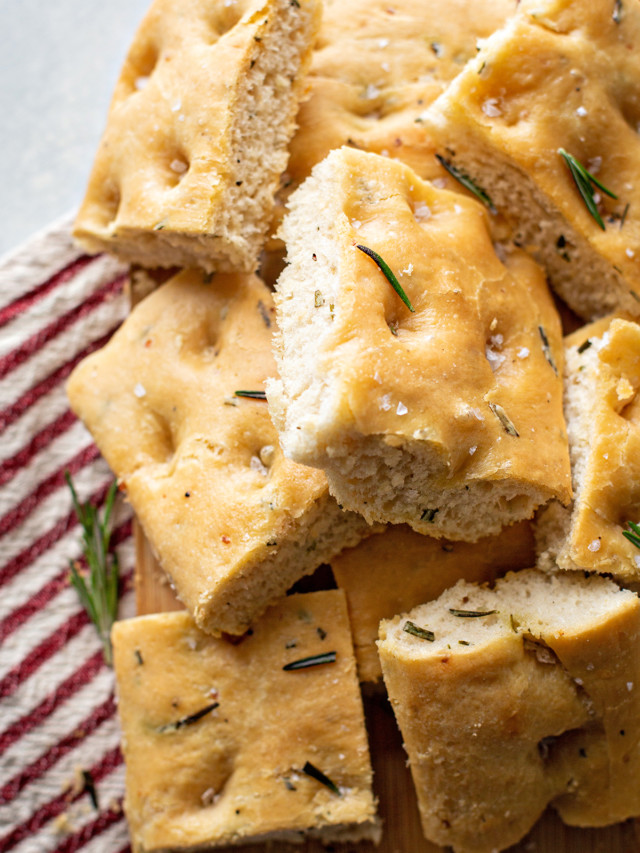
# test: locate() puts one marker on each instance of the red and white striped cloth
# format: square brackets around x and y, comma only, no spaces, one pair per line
[57,707]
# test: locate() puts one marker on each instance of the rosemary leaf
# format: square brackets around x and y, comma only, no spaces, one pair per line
[467,182]
[429,514]
[417,631]
[98,596]
[471,614]
[584,346]
[314,660]
[252,395]
[189,720]
[585,182]
[90,787]
[319,776]
[385,269]
[632,535]
[504,419]
[546,349]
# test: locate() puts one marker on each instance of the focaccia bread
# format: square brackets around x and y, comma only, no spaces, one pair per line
[602,406]
[512,698]
[232,521]
[449,418]
[221,742]
[398,569]
[375,69]
[561,75]
[197,133]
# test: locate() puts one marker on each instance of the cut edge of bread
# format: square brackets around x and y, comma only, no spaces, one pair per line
[264,107]
[587,282]
[388,479]
[315,538]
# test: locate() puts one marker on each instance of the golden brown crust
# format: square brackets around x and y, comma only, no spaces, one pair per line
[533,702]
[375,69]
[233,522]
[207,94]
[602,383]
[408,411]
[236,773]
[396,570]
[562,74]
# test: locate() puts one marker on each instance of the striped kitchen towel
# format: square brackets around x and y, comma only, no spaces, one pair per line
[61,771]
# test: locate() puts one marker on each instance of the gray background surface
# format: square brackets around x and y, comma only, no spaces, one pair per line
[59,61]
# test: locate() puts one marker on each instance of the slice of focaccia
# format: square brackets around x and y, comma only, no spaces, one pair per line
[562,76]
[197,133]
[512,698]
[232,521]
[398,569]
[223,744]
[375,69]
[445,414]
[602,405]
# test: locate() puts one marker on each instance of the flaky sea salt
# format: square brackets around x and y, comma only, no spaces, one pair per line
[490,108]
[139,390]
[594,545]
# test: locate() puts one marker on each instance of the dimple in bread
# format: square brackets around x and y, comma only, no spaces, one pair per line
[218,737]
[232,521]
[602,380]
[197,133]
[449,418]
[398,569]
[561,75]
[521,696]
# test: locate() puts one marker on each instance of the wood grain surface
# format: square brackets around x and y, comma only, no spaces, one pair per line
[392,781]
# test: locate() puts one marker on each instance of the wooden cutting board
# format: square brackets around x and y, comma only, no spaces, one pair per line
[392,782]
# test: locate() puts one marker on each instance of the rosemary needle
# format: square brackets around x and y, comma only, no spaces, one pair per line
[98,592]
[585,182]
[468,183]
[388,274]
[252,395]
[632,535]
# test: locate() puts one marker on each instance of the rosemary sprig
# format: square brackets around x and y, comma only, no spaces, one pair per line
[189,720]
[585,182]
[311,770]
[252,395]
[423,633]
[314,660]
[99,592]
[632,535]
[471,614]
[385,269]
[467,182]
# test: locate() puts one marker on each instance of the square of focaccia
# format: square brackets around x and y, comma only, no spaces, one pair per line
[232,521]
[602,404]
[561,75]
[448,418]
[398,569]
[221,742]
[375,69]
[513,698]
[197,133]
